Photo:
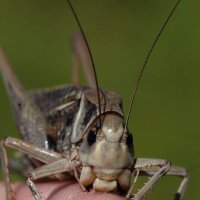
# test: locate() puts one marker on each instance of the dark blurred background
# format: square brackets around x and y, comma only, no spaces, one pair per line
[165,119]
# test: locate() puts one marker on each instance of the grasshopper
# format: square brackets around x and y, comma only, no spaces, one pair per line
[79,131]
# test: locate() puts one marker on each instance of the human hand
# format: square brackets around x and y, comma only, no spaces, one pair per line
[57,190]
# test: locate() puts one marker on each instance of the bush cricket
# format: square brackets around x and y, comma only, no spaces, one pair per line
[69,130]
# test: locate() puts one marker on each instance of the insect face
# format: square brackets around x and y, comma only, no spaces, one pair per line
[107,153]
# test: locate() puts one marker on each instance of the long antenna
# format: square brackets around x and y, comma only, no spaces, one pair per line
[146,61]
[90,53]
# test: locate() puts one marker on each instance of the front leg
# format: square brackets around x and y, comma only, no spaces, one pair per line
[27,148]
[161,166]
[54,168]
[158,168]
[175,171]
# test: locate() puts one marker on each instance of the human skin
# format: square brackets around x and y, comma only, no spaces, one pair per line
[66,190]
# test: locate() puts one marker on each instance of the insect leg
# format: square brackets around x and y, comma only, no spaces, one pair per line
[81,56]
[152,168]
[27,148]
[12,84]
[54,168]
[29,118]
[173,171]
[34,190]
[179,172]
[160,166]
[5,171]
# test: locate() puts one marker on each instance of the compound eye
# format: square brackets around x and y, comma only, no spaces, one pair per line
[91,138]
[129,140]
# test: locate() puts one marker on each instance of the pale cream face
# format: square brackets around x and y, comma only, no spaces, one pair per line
[107,155]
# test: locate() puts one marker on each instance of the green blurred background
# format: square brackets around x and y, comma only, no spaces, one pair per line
[165,120]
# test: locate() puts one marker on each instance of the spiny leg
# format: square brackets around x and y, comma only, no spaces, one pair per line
[27,148]
[81,56]
[173,171]
[162,167]
[157,168]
